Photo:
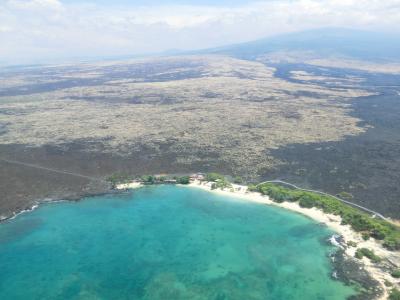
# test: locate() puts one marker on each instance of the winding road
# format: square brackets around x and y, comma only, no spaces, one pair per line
[374,213]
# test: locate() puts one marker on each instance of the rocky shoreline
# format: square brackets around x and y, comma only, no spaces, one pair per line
[35,204]
[352,272]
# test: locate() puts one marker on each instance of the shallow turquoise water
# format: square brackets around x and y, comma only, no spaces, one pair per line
[165,242]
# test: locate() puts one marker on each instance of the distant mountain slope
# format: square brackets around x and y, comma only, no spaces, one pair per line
[328,42]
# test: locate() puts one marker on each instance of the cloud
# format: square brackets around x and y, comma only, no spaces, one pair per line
[35,4]
[49,29]
[5,29]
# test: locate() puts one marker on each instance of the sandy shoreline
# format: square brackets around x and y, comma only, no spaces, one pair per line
[130,185]
[332,221]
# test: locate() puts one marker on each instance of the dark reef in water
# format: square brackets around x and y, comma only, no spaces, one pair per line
[352,272]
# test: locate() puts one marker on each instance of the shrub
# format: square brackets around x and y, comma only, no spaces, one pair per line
[221,184]
[183,180]
[238,180]
[149,179]
[394,294]
[162,178]
[358,254]
[365,236]
[388,283]
[214,177]
[351,244]
[306,201]
[277,193]
[396,273]
[252,188]
[392,243]
[361,252]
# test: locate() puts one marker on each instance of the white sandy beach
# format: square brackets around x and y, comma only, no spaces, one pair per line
[332,221]
[130,185]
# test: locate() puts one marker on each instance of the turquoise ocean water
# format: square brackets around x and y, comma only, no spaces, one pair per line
[165,242]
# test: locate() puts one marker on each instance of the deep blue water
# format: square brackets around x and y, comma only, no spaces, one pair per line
[165,242]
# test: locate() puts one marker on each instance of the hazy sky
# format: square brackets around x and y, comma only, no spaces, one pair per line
[47,30]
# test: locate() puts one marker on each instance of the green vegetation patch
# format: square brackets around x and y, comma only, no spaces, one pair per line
[221,184]
[361,252]
[238,180]
[396,273]
[358,220]
[148,179]
[394,294]
[351,244]
[162,178]
[183,180]
[214,177]
[219,181]
[278,193]
[388,283]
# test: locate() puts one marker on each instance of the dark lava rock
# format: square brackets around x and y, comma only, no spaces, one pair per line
[351,272]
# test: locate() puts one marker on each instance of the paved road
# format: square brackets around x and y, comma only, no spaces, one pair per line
[269,181]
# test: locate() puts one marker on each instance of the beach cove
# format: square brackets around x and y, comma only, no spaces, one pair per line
[334,222]
[166,242]
[373,276]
